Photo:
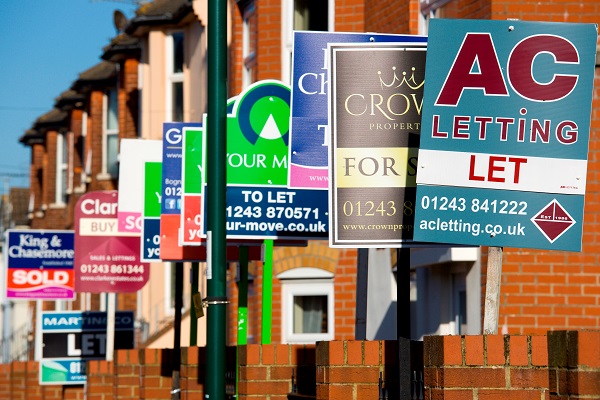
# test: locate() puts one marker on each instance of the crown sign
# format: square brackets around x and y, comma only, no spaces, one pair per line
[397,82]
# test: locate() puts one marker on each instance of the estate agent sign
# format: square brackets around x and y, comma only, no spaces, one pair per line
[106,260]
[504,140]
[309,130]
[40,264]
[375,117]
[70,338]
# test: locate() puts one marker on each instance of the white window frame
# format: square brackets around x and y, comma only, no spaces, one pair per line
[62,166]
[248,52]
[106,132]
[86,156]
[172,77]
[306,282]
[428,10]
[287,33]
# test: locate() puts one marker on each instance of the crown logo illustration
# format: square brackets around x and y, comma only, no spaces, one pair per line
[397,82]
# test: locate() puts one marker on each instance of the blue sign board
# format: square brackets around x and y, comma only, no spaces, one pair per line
[40,264]
[151,240]
[505,132]
[70,338]
[309,123]
[40,249]
[255,212]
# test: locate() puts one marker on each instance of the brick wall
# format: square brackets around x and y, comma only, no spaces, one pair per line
[35,181]
[562,365]
[388,16]
[574,363]
[350,369]
[100,380]
[128,99]
[350,16]
[490,367]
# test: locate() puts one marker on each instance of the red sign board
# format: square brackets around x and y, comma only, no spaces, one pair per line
[106,260]
[553,221]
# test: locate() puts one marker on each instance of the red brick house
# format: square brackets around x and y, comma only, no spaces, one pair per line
[541,290]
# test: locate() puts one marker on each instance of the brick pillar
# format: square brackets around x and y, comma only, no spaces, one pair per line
[100,380]
[69,392]
[350,369]
[574,364]
[155,381]
[18,380]
[191,388]
[32,387]
[490,366]
[5,380]
[128,374]
[265,371]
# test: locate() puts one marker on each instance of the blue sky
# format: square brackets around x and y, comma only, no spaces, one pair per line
[45,45]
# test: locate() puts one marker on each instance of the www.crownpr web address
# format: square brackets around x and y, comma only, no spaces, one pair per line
[452,225]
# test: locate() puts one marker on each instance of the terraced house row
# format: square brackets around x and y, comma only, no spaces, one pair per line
[155,71]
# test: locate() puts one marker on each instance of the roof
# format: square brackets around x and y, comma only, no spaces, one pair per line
[54,118]
[120,46]
[98,74]
[31,137]
[159,13]
[69,99]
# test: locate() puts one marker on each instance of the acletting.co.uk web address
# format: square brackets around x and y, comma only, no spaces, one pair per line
[451,225]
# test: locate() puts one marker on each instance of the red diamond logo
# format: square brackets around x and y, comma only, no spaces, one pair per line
[553,221]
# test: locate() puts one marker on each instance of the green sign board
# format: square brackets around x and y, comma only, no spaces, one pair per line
[258,134]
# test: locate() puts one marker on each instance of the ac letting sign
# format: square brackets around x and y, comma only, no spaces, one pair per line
[504,140]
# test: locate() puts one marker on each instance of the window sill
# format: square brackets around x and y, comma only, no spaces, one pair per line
[56,206]
[103,176]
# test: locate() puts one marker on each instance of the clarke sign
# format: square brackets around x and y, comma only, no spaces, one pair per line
[106,260]
[504,140]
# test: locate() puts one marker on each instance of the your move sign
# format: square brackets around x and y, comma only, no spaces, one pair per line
[505,131]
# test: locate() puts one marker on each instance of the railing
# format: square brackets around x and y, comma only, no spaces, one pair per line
[17,346]
[408,380]
[303,383]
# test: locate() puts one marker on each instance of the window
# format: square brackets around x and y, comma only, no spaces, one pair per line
[175,60]
[430,9]
[308,305]
[310,314]
[249,45]
[303,15]
[62,168]
[111,134]
[84,154]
